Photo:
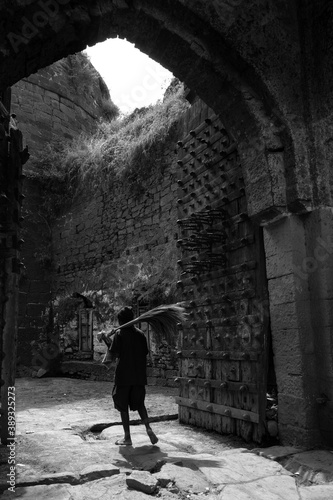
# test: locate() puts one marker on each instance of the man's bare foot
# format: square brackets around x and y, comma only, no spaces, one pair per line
[124,442]
[152,436]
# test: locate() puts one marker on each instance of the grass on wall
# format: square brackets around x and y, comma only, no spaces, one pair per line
[127,150]
[78,72]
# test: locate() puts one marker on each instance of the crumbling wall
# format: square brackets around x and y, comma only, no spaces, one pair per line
[114,246]
[50,106]
[47,108]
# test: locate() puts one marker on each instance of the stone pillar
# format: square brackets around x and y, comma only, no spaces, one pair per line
[292,330]
[318,272]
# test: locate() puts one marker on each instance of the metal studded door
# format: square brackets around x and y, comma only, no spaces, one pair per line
[222,277]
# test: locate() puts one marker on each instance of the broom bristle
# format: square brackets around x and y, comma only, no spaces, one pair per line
[163,319]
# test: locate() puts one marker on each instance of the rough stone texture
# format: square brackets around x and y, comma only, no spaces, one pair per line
[190,480]
[262,489]
[35,283]
[54,492]
[109,241]
[323,492]
[48,106]
[312,467]
[220,461]
[97,471]
[277,452]
[56,478]
[211,46]
[265,67]
[41,105]
[292,333]
[142,481]
[300,294]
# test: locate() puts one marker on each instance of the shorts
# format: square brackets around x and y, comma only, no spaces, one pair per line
[128,396]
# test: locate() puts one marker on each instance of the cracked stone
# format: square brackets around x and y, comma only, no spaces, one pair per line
[53,492]
[142,481]
[188,478]
[276,452]
[57,477]
[312,467]
[274,488]
[98,471]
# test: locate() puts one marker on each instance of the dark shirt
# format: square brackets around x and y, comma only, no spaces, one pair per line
[130,347]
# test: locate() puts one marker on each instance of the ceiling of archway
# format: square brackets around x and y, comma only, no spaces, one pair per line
[233,40]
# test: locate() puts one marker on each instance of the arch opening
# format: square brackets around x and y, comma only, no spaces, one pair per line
[208,58]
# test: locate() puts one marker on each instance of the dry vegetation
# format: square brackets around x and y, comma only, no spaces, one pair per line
[126,149]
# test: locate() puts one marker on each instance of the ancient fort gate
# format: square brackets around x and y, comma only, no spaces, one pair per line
[263,67]
[224,356]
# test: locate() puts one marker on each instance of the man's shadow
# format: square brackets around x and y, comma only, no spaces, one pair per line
[152,458]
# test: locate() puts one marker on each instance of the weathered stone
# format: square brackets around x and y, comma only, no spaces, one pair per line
[276,452]
[312,467]
[235,466]
[274,488]
[98,471]
[322,492]
[264,115]
[185,478]
[56,478]
[142,481]
[51,492]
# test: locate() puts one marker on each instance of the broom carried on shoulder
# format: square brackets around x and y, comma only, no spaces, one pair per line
[163,319]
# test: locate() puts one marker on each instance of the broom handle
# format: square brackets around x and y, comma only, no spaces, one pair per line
[125,325]
[130,323]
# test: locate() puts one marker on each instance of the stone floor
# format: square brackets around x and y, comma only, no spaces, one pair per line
[58,457]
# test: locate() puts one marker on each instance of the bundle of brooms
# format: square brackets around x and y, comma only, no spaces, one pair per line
[162,319]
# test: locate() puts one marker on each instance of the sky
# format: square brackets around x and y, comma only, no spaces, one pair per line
[134,80]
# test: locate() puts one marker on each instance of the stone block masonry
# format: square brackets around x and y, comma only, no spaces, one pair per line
[119,244]
[114,229]
[47,108]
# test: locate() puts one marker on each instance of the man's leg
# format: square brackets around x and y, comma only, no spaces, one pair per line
[124,415]
[120,398]
[144,417]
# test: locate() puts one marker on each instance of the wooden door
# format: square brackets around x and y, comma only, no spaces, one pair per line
[86,330]
[223,359]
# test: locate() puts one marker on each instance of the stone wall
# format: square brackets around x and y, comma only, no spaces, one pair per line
[47,107]
[114,246]
[51,105]
[35,280]
[264,66]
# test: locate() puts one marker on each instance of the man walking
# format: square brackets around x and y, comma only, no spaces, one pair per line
[129,347]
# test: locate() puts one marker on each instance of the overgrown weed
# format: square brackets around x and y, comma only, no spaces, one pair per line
[127,150]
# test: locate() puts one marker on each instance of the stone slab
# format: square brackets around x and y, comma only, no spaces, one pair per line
[186,478]
[276,452]
[99,489]
[97,471]
[43,492]
[142,481]
[237,467]
[317,492]
[58,416]
[268,488]
[56,478]
[312,467]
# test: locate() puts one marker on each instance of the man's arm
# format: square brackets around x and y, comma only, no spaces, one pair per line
[114,347]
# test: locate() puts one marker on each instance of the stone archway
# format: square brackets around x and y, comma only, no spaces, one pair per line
[223,50]
[226,52]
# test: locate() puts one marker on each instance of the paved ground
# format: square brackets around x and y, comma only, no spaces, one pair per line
[58,457]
